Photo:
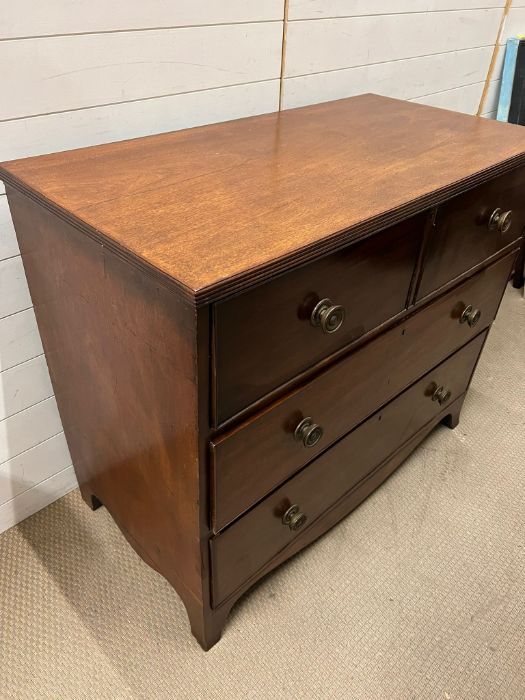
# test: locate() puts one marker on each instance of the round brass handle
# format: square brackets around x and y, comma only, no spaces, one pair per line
[470,316]
[328,316]
[294,518]
[308,432]
[500,220]
[441,395]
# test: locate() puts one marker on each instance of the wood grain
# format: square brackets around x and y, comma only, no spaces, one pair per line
[225,206]
[460,236]
[265,337]
[127,245]
[124,380]
[344,505]
[257,537]
[346,394]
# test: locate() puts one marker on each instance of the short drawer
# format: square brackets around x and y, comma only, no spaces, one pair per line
[470,228]
[247,545]
[267,336]
[251,460]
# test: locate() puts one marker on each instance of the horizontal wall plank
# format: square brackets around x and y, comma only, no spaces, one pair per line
[332,44]
[33,466]
[28,428]
[464,99]
[316,9]
[8,242]
[71,72]
[24,385]
[14,293]
[403,79]
[514,22]
[35,499]
[492,96]
[19,339]
[35,18]
[86,127]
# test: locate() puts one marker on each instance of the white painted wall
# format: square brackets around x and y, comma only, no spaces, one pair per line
[514,24]
[80,72]
[432,51]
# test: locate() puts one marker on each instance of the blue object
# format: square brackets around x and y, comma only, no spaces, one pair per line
[507,79]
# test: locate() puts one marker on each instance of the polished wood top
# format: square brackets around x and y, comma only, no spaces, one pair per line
[221,207]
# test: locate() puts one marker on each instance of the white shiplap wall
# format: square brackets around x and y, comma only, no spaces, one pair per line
[76,73]
[432,51]
[514,24]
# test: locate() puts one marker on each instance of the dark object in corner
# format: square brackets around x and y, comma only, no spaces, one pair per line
[517,102]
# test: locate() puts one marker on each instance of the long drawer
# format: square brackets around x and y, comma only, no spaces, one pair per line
[247,545]
[267,336]
[470,228]
[251,460]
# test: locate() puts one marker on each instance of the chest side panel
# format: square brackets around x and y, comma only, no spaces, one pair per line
[121,354]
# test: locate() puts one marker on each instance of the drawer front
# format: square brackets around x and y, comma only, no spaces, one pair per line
[266,337]
[466,231]
[251,460]
[247,545]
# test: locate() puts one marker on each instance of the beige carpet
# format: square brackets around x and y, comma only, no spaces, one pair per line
[419,594]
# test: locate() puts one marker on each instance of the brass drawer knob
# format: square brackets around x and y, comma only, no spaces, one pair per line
[441,395]
[500,220]
[327,316]
[294,518]
[308,432]
[470,316]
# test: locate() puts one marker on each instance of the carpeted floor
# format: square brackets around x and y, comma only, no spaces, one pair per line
[420,593]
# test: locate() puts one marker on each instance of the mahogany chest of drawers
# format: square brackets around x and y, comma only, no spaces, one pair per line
[250,325]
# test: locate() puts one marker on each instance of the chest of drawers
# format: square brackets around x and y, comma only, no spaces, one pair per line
[250,325]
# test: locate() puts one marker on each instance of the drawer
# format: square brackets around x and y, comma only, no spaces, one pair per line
[251,460]
[466,231]
[266,337]
[247,545]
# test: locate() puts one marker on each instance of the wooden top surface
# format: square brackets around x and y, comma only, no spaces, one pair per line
[221,207]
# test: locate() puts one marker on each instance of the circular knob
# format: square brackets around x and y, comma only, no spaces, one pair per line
[500,220]
[308,432]
[329,317]
[470,316]
[294,518]
[441,395]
